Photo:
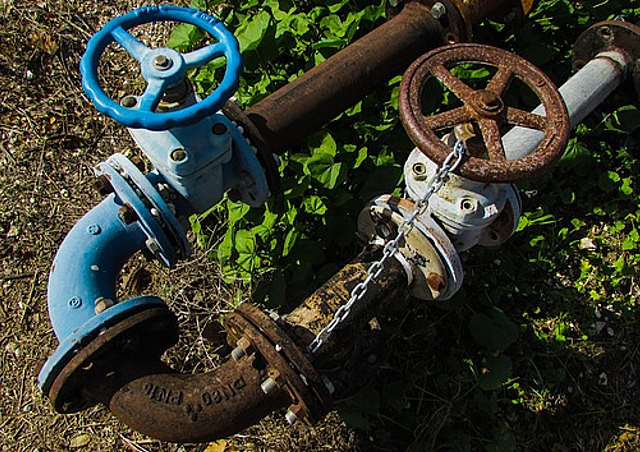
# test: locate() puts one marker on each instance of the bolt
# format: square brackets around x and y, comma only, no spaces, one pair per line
[328,384]
[102,304]
[419,171]
[102,185]
[219,129]
[383,230]
[75,302]
[127,215]
[291,417]
[129,102]
[162,62]
[152,245]
[178,155]
[435,282]
[274,316]
[237,353]
[243,347]
[438,10]
[269,385]
[295,413]
[94,229]
[468,205]
[606,33]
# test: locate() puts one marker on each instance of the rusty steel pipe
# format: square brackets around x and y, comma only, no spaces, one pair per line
[290,114]
[150,397]
[318,310]
[194,407]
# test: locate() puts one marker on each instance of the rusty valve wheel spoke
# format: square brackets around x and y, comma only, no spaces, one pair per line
[486,108]
[462,91]
[492,138]
[501,81]
[449,118]
[523,118]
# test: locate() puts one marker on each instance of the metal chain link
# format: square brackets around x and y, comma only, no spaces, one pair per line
[390,248]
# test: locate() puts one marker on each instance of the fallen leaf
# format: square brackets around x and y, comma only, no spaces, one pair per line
[79,441]
[217,446]
[44,41]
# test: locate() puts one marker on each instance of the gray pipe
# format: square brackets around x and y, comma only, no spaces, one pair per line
[582,93]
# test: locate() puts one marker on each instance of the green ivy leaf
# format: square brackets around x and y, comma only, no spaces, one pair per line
[322,142]
[321,167]
[251,33]
[494,331]
[289,241]
[496,373]
[184,36]
[314,205]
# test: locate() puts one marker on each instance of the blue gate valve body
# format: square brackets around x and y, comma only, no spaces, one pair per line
[198,154]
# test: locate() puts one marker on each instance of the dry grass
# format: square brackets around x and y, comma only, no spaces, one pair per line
[50,138]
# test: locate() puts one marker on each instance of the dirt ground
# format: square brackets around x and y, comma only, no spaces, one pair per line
[50,138]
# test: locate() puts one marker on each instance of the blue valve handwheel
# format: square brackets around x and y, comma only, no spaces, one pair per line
[161,67]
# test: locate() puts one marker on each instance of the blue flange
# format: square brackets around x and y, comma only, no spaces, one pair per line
[81,292]
[162,67]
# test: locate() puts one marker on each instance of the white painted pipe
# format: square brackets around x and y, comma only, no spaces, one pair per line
[582,93]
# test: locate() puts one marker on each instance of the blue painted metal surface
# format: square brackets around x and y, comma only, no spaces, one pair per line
[212,163]
[87,264]
[198,155]
[161,77]
[84,333]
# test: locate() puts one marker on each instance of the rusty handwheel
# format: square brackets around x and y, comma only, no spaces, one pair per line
[485,110]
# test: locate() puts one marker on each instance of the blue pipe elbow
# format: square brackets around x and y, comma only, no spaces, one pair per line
[87,264]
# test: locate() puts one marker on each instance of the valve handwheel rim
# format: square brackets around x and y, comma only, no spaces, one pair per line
[487,109]
[161,67]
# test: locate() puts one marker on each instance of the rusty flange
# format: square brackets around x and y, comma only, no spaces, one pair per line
[610,35]
[266,159]
[290,369]
[486,108]
[459,16]
[148,333]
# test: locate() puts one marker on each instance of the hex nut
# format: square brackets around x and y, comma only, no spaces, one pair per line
[219,129]
[178,155]
[127,214]
[162,62]
[295,413]
[269,385]
[102,304]
[438,10]
[129,102]
[246,345]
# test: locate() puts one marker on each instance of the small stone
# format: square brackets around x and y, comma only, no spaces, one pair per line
[79,441]
[603,380]
[610,331]
[587,244]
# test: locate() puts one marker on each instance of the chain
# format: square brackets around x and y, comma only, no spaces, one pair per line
[453,160]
